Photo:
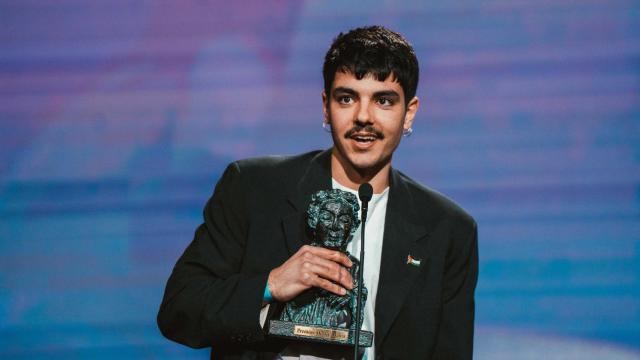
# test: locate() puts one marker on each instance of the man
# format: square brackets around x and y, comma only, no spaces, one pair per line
[251,254]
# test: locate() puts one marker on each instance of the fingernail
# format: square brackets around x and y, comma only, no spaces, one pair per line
[343,291]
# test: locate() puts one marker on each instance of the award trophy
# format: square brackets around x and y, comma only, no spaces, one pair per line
[318,315]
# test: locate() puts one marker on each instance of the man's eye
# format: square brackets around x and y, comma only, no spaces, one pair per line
[385,101]
[346,100]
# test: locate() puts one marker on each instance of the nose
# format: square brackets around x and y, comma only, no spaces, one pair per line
[364,115]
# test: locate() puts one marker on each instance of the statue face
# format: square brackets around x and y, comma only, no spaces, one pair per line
[334,225]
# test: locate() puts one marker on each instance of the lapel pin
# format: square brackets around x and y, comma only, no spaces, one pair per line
[412,261]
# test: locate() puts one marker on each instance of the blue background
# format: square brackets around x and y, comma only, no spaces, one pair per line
[117,117]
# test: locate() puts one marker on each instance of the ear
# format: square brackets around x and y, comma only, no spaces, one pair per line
[412,108]
[325,109]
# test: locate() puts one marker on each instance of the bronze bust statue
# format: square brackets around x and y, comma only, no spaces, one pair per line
[332,219]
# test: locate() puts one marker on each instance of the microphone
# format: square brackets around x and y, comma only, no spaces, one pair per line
[365,193]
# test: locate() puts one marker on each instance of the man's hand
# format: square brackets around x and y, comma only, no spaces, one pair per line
[311,266]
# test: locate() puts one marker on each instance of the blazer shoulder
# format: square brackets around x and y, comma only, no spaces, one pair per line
[428,199]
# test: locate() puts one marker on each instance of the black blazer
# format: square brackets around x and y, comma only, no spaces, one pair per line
[255,221]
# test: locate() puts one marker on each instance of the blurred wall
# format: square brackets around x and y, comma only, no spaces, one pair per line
[117,117]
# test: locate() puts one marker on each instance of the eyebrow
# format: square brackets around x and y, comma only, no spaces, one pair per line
[383,93]
[344,90]
[386,93]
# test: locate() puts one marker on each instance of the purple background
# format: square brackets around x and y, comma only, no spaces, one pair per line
[117,117]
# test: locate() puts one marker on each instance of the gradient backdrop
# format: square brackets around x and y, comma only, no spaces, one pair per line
[117,117]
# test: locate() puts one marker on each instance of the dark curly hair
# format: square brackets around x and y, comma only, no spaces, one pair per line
[373,50]
[343,197]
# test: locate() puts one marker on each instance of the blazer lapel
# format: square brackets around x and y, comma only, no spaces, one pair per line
[402,233]
[316,177]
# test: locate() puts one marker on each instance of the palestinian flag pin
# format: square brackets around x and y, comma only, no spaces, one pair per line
[412,261]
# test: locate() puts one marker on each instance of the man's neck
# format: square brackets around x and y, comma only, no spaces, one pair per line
[349,177]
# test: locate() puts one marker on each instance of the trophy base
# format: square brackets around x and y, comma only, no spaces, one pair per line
[318,333]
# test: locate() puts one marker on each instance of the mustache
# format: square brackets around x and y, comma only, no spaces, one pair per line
[367,129]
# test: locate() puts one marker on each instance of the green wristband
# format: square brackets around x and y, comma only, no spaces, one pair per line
[266,297]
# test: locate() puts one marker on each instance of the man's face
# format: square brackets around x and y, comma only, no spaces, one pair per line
[367,117]
[334,225]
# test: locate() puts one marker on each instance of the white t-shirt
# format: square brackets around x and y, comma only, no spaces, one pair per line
[374,234]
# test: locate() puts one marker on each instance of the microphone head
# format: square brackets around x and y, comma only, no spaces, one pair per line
[365,192]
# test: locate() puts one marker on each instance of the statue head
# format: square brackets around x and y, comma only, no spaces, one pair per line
[333,218]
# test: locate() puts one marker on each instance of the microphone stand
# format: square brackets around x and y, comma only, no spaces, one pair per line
[365,193]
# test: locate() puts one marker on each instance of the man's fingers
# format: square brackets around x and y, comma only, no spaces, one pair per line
[311,266]
[328,254]
[329,270]
[328,285]
[335,272]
